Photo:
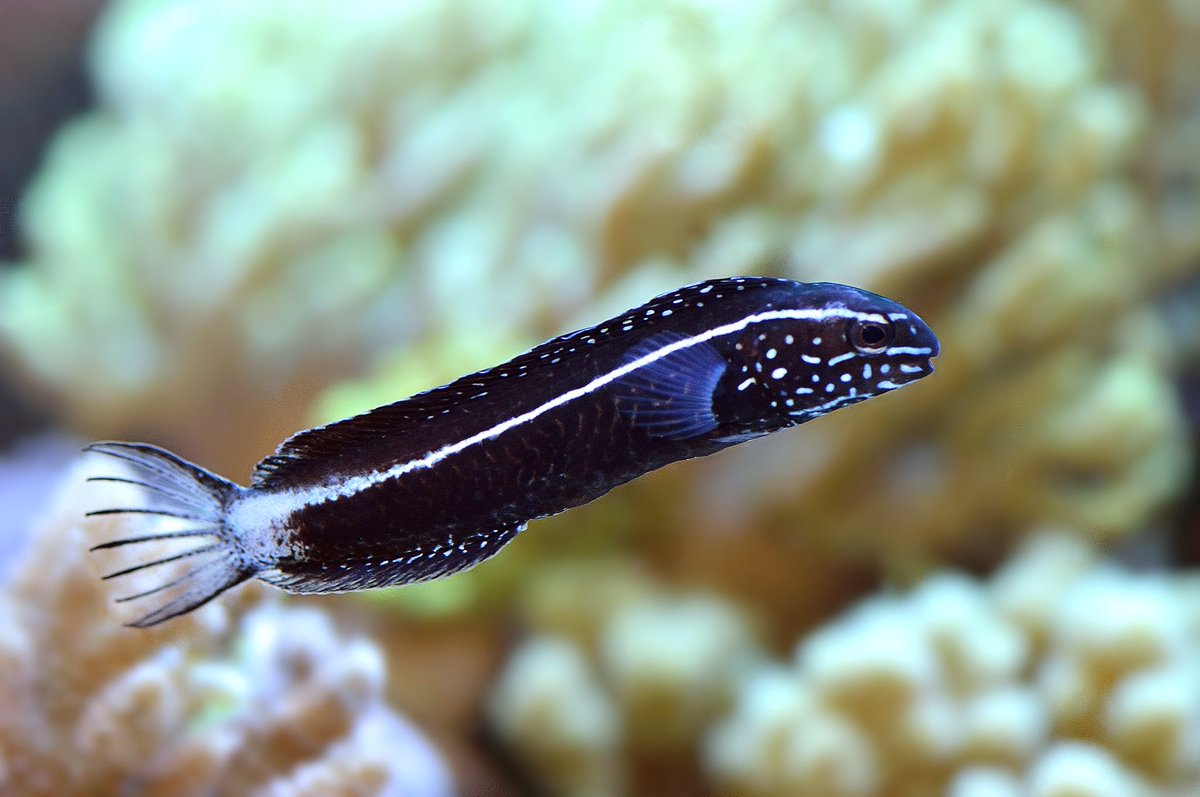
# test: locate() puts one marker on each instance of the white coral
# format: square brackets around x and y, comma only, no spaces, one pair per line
[244,696]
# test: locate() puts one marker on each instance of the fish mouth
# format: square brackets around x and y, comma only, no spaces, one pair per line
[904,374]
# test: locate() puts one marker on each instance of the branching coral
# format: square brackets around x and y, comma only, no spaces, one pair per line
[1000,184]
[291,191]
[617,664]
[1062,676]
[304,188]
[252,698]
[987,163]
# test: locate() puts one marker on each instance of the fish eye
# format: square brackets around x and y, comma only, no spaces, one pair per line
[871,337]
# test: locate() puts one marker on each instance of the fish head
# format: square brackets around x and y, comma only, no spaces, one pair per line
[835,345]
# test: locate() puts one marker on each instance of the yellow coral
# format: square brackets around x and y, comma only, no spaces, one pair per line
[292,192]
[616,663]
[1063,676]
[303,188]
[242,697]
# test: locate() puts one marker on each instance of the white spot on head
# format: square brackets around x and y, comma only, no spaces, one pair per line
[745,383]
[706,289]
[666,313]
[829,387]
[845,377]
[808,358]
[842,357]
[910,369]
[884,384]
[771,354]
[789,340]
[885,368]
[866,370]
[779,373]
[816,341]
[801,391]
[816,378]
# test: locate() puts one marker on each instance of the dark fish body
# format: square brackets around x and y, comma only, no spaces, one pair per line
[439,482]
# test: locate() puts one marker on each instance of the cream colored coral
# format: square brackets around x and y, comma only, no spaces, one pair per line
[648,670]
[244,696]
[982,161]
[1090,690]
[301,188]
[549,706]
[670,665]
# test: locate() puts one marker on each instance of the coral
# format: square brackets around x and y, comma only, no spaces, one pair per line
[270,197]
[979,160]
[29,475]
[616,663]
[549,706]
[246,696]
[1063,675]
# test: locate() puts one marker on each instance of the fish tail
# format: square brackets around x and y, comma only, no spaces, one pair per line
[175,488]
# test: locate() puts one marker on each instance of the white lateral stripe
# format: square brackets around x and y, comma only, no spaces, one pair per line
[356,484]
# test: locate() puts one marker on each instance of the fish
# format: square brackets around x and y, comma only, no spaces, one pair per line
[435,484]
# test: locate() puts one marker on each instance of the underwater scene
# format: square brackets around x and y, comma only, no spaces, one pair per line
[223,223]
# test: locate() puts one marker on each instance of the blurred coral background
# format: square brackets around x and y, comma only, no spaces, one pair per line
[222,222]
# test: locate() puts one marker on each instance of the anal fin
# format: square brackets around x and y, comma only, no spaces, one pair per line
[431,556]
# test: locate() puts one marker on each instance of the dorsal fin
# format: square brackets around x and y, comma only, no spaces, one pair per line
[316,450]
[409,428]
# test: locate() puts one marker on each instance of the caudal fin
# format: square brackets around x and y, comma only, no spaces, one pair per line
[175,488]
